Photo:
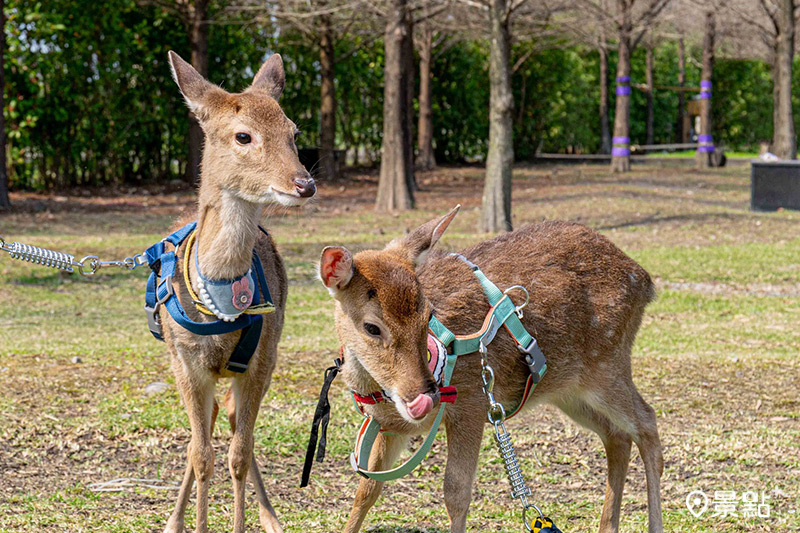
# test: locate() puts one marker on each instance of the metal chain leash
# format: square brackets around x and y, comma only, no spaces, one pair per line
[87,266]
[497,417]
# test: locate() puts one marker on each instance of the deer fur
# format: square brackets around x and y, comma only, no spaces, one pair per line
[587,301]
[237,180]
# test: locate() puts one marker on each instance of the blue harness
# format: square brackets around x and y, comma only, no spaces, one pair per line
[160,292]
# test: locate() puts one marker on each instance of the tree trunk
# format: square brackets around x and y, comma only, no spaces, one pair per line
[4,200]
[650,137]
[408,75]
[327,111]
[393,189]
[496,211]
[679,129]
[784,144]
[605,129]
[704,157]
[198,41]
[425,157]
[621,153]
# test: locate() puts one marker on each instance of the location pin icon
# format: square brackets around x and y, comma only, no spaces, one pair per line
[697,502]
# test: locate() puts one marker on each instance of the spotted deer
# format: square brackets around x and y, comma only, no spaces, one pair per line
[249,160]
[586,304]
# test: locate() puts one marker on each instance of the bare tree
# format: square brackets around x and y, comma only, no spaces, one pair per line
[631,25]
[425,157]
[397,183]
[4,200]
[322,25]
[705,150]
[397,170]
[648,91]
[506,19]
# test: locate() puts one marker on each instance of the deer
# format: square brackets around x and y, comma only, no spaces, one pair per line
[249,160]
[587,299]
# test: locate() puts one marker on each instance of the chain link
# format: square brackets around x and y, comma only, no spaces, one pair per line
[87,266]
[497,417]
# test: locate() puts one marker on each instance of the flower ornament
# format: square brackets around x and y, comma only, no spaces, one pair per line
[242,294]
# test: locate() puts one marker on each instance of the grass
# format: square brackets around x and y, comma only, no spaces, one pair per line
[716,356]
[689,154]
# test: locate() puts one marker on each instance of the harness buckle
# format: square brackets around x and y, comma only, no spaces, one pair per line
[535,359]
[154,321]
[153,318]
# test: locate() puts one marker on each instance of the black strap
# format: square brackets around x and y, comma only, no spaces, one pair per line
[321,417]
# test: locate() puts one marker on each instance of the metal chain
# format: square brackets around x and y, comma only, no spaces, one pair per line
[497,417]
[87,266]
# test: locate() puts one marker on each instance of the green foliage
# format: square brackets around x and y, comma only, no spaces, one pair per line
[460,101]
[742,103]
[90,100]
[556,96]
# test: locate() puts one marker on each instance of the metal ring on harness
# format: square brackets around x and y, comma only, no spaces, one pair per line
[518,309]
[525,512]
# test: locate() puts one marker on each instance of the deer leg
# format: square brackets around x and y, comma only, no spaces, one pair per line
[175,522]
[463,447]
[198,395]
[386,450]
[266,513]
[247,393]
[618,452]
[649,445]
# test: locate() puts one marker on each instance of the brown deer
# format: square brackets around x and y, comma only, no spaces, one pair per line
[249,160]
[586,303]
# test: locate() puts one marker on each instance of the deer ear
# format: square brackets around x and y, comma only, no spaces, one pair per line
[271,77]
[193,86]
[417,244]
[336,268]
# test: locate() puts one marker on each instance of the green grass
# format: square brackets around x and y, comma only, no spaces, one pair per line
[716,357]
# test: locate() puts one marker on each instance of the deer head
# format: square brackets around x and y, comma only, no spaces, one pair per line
[250,148]
[382,317]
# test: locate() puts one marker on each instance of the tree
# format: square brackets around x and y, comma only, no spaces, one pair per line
[496,203]
[322,26]
[397,170]
[705,152]
[774,22]
[426,160]
[4,200]
[630,27]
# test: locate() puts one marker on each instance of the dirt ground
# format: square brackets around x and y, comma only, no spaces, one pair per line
[717,357]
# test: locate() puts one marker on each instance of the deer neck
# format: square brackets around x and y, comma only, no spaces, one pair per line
[227,228]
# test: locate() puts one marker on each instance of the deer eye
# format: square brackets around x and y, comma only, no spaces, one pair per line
[296,135]
[243,138]
[372,329]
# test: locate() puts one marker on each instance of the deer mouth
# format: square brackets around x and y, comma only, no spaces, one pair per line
[419,407]
[289,199]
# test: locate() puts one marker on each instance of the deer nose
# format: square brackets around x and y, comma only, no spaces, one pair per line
[304,185]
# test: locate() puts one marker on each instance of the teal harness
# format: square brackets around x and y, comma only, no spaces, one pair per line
[503,313]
